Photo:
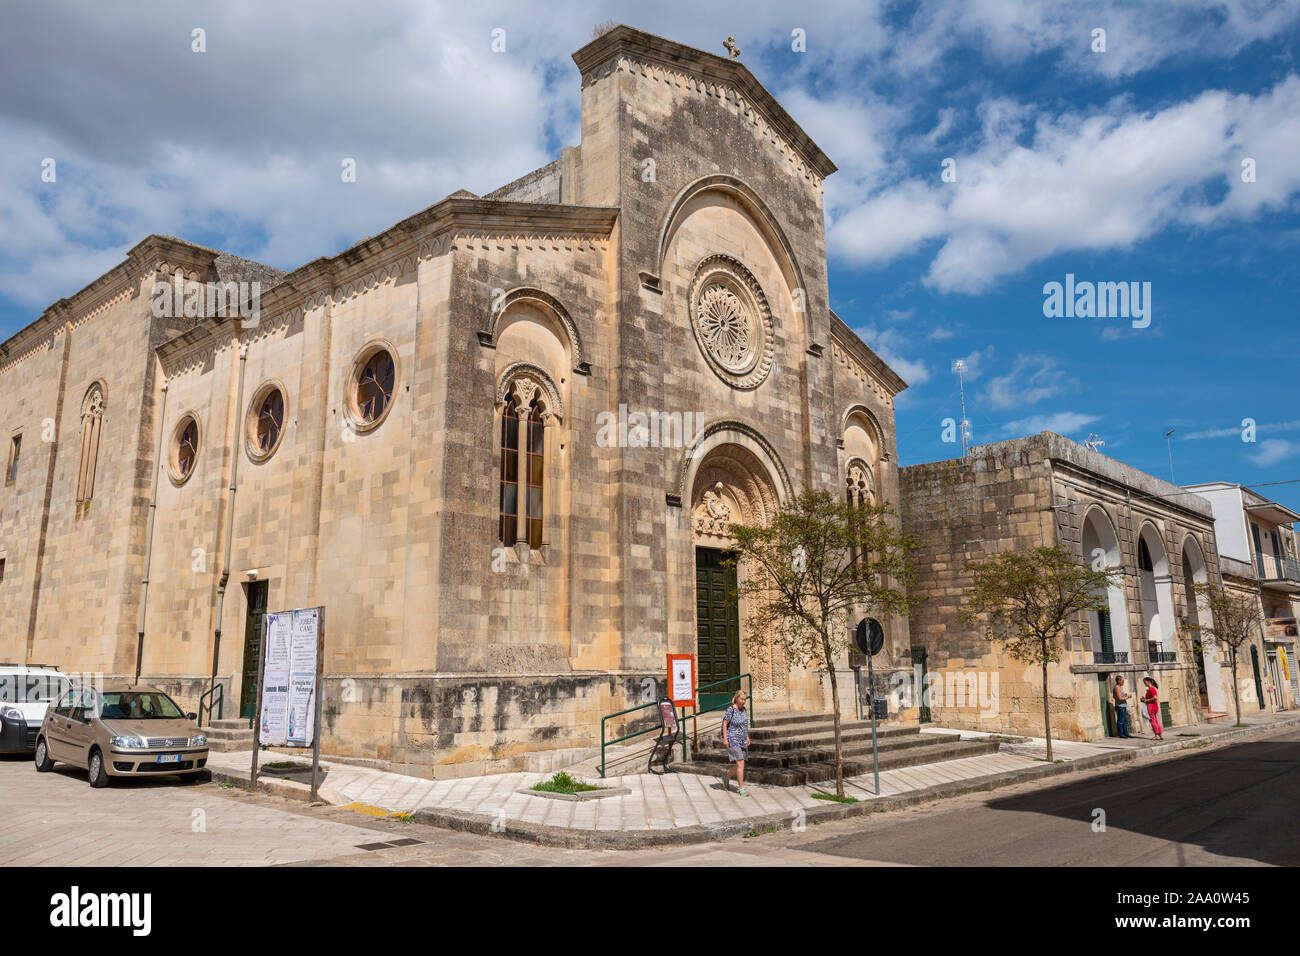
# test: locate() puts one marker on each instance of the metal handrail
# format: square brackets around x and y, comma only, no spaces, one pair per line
[681,714]
[217,693]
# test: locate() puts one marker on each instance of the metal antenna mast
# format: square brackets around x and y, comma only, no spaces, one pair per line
[959,367]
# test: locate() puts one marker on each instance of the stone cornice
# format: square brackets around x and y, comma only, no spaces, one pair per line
[710,72]
[458,221]
[118,283]
[847,348]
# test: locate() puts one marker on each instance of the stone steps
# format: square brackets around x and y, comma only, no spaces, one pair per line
[229,734]
[817,771]
[794,749]
[792,757]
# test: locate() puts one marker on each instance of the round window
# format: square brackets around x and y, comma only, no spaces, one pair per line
[265,422]
[185,449]
[732,321]
[373,382]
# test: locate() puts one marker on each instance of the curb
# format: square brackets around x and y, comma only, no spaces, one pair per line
[483,824]
[569,838]
[280,788]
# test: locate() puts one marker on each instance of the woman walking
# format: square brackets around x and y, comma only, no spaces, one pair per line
[1152,699]
[735,733]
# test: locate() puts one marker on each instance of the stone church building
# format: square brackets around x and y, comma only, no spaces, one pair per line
[410,433]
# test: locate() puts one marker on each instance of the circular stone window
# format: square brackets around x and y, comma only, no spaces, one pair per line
[184,449]
[732,321]
[265,425]
[371,388]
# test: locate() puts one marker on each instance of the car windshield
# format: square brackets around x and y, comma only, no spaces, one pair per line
[132,705]
[32,688]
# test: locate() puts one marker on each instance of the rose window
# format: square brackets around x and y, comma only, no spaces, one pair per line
[732,321]
[726,327]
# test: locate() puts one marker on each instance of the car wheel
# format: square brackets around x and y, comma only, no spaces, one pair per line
[43,762]
[98,775]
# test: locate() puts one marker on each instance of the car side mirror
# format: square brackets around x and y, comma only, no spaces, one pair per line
[192,716]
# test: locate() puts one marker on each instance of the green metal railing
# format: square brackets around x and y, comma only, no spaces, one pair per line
[216,698]
[682,716]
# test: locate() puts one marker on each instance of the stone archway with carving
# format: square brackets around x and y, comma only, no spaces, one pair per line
[732,485]
[527,381]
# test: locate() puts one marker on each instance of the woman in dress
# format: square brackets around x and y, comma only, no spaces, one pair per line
[735,732]
[1152,699]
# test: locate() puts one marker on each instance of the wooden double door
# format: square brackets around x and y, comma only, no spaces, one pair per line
[717,626]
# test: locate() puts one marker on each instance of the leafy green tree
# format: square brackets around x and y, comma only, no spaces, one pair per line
[820,564]
[1029,600]
[1235,619]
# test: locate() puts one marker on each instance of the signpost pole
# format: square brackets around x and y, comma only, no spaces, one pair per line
[257,711]
[871,703]
[320,694]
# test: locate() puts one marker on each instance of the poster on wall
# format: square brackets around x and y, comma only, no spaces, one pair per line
[681,679]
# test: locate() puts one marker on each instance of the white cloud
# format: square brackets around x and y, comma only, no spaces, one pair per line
[974,363]
[1084,182]
[1062,423]
[1032,379]
[1274,450]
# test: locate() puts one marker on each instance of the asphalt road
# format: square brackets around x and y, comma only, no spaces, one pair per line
[1235,805]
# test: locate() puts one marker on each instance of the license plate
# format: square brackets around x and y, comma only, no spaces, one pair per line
[169,758]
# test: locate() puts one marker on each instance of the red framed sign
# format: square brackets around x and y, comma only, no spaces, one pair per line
[681,679]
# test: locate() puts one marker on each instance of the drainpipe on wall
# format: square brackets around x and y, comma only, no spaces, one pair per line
[148,538]
[230,514]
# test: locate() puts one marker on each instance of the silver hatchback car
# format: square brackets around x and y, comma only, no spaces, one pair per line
[121,730]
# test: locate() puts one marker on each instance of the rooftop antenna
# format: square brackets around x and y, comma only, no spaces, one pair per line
[1094,441]
[959,367]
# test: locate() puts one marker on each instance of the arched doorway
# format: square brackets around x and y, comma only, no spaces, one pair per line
[1108,627]
[1213,699]
[1155,590]
[730,486]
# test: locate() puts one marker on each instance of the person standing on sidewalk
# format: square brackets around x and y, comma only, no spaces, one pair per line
[735,733]
[1152,699]
[1121,697]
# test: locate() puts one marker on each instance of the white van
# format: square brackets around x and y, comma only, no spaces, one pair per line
[25,693]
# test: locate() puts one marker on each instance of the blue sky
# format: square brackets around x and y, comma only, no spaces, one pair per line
[1114,165]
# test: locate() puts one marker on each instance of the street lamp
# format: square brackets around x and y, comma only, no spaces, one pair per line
[1169,445]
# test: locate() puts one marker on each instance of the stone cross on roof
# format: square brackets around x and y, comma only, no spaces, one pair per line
[733,51]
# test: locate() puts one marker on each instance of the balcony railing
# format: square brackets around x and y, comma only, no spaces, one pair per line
[1156,653]
[1272,568]
[1110,657]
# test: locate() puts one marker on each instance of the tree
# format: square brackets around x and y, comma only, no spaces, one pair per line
[819,562]
[1027,600]
[1235,619]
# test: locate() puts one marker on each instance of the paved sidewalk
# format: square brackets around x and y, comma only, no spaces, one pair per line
[688,808]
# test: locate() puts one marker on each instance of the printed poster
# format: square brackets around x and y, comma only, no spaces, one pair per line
[275,707]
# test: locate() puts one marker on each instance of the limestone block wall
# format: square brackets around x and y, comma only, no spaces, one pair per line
[650,137]
[999,500]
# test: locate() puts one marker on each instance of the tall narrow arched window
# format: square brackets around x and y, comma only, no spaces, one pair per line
[858,485]
[523,465]
[92,416]
[535,449]
[509,529]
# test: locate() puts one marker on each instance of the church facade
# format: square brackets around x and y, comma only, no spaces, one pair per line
[500,442]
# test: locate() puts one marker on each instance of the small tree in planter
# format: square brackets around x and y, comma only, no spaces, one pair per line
[1028,600]
[1235,620]
[819,562]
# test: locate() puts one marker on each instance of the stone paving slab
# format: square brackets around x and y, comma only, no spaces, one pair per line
[689,808]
